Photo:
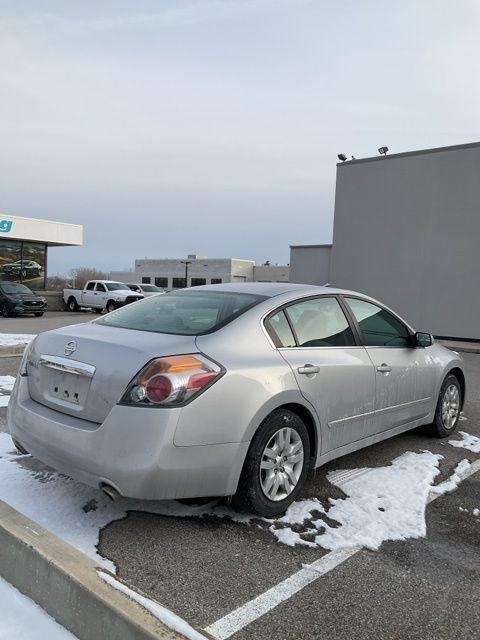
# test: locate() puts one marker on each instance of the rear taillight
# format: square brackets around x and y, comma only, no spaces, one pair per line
[171,381]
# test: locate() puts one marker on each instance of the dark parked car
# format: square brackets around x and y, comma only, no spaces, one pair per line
[16,299]
[25,268]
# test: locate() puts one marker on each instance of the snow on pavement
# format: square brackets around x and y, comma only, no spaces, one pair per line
[71,510]
[472,443]
[23,619]
[6,386]
[13,339]
[383,503]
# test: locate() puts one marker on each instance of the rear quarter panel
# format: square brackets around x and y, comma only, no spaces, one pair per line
[257,381]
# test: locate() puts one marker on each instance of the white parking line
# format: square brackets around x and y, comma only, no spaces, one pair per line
[262,604]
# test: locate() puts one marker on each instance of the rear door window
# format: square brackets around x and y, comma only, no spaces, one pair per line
[320,322]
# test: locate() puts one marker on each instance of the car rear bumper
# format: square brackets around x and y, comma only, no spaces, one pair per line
[132,450]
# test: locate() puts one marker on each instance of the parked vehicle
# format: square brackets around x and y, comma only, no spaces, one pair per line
[17,299]
[147,289]
[99,295]
[25,268]
[229,390]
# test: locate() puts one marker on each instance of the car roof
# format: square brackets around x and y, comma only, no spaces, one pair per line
[268,289]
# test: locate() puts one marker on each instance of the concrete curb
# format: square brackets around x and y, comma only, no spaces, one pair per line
[65,583]
[12,351]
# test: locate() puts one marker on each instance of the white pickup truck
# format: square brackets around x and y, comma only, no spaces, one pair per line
[99,295]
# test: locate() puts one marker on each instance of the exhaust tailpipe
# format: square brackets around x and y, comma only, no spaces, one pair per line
[110,492]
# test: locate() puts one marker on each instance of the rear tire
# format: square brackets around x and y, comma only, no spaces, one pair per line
[72,304]
[273,473]
[447,413]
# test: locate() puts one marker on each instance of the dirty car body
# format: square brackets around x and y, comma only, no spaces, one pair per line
[167,397]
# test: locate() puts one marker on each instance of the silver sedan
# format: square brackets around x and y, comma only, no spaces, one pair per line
[229,390]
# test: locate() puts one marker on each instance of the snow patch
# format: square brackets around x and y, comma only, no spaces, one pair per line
[23,619]
[12,339]
[6,383]
[4,400]
[166,616]
[451,483]
[300,511]
[384,503]
[472,443]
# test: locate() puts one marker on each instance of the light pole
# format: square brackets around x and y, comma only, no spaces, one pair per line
[186,263]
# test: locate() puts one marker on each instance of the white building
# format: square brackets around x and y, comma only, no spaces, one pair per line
[24,245]
[196,270]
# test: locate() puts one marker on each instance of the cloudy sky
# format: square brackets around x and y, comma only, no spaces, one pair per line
[212,126]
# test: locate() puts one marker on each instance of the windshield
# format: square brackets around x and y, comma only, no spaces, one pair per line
[116,286]
[13,287]
[150,287]
[182,312]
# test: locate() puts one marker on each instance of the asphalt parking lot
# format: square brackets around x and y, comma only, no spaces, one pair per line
[204,567]
[50,320]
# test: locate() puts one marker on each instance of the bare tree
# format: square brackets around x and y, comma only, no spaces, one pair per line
[82,275]
[58,283]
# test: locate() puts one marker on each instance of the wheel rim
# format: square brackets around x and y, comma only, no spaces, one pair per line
[450,406]
[281,464]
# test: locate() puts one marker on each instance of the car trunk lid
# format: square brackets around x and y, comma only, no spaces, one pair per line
[83,370]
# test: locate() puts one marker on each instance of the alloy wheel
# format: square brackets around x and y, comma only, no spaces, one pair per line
[281,464]
[450,406]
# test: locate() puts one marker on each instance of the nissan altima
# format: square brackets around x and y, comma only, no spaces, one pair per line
[229,390]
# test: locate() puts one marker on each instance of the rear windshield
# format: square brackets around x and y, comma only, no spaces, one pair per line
[182,312]
[115,286]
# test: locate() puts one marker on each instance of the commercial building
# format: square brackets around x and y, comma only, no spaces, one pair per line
[196,270]
[24,245]
[406,231]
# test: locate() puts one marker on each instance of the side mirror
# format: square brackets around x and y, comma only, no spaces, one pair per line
[423,339]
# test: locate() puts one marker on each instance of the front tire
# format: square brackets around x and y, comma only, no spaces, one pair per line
[38,314]
[447,413]
[111,306]
[6,313]
[276,465]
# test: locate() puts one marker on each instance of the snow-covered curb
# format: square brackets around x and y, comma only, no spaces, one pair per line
[167,617]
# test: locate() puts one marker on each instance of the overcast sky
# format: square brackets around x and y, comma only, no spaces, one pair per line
[212,126]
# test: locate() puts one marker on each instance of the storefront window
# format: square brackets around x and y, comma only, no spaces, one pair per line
[23,262]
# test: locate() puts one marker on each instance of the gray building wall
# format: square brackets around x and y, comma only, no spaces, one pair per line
[310,263]
[407,231]
[271,273]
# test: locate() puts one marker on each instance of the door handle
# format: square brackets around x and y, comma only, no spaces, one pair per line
[308,369]
[384,368]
